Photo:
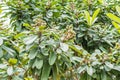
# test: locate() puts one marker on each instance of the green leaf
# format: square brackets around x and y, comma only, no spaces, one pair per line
[54,69]
[59,50]
[117,26]
[90,70]
[9,50]
[26,1]
[26,25]
[52,58]
[30,39]
[38,63]
[42,27]
[10,70]
[33,0]
[113,17]
[0,10]
[95,15]
[18,26]
[107,68]
[81,69]
[89,77]
[32,53]
[12,61]
[83,76]
[103,75]
[17,36]
[75,49]
[108,64]
[101,1]
[1,53]
[118,9]
[117,68]
[2,66]
[88,18]
[64,47]
[1,41]
[45,71]
[17,78]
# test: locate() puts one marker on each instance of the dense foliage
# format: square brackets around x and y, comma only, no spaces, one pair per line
[60,40]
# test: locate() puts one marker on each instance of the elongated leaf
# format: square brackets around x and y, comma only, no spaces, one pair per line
[103,75]
[9,50]
[18,26]
[45,71]
[52,58]
[54,69]
[89,77]
[95,15]
[83,76]
[33,53]
[101,1]
[30,39]
[26,24]
[0,10]
[81,69]
[113,17]
[19,35]
[17,78]
[88,18]
[117,68]
[10,70]
[64,47]
[75,49]
[1,41]
[90,71]
[108,64]
[26,1]
[118,9]
[1,53]
[39,64]
[117,26]
[107,68]
[2,66]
